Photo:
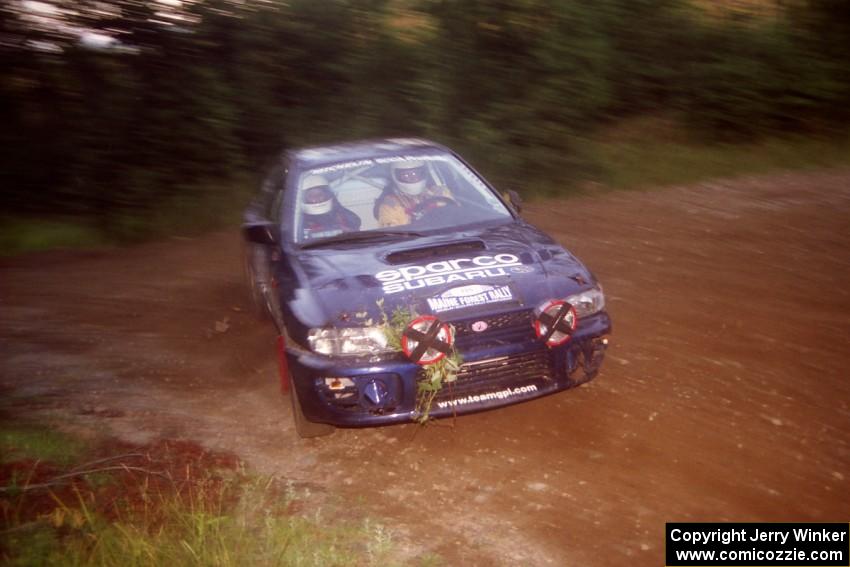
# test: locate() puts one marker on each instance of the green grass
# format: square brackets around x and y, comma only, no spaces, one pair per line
[203,530]
[641,164]
[650,152]
[37,443]
[644,153]
[19,235]
[190,211]
[164,517]
[198,539]
[195,211]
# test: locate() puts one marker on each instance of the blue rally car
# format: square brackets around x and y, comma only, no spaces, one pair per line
[344,238]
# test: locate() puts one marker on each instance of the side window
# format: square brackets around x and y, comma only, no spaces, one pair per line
[265,207]
[279,184]
[470,189]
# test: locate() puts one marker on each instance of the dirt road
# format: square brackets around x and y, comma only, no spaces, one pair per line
[725,395]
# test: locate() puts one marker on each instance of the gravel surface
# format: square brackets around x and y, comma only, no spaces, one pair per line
[724,396]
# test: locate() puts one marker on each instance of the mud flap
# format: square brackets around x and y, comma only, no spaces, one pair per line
[282,365]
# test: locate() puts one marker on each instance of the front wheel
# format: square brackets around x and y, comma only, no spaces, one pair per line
[305,428]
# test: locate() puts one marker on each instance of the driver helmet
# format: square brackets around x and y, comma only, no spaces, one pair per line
[409,176]
[318,197]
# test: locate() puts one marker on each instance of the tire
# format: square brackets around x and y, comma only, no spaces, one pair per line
[306,429]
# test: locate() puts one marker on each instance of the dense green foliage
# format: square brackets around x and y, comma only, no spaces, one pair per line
[178,114]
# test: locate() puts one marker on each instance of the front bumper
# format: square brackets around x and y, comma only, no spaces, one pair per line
[499,369]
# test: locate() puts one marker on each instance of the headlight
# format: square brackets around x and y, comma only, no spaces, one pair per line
[351,341]
[587,302]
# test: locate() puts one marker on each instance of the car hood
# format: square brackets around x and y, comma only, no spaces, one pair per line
[457,275]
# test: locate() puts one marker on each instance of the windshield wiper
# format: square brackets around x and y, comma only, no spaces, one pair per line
[347,237]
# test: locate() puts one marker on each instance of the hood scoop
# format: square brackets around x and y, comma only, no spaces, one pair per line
[438,250]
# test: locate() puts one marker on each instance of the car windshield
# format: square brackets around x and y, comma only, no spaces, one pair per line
[404,193]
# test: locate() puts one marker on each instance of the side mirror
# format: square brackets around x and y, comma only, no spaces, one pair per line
[515,199]
[264,233]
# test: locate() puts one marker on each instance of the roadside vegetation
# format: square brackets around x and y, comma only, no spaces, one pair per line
[164,124]
[73,502]
[660,161]
[652,162]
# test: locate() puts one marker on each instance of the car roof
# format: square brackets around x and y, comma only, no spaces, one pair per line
[361,149]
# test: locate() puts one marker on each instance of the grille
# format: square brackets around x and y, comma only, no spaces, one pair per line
[504,328]
[488,375]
